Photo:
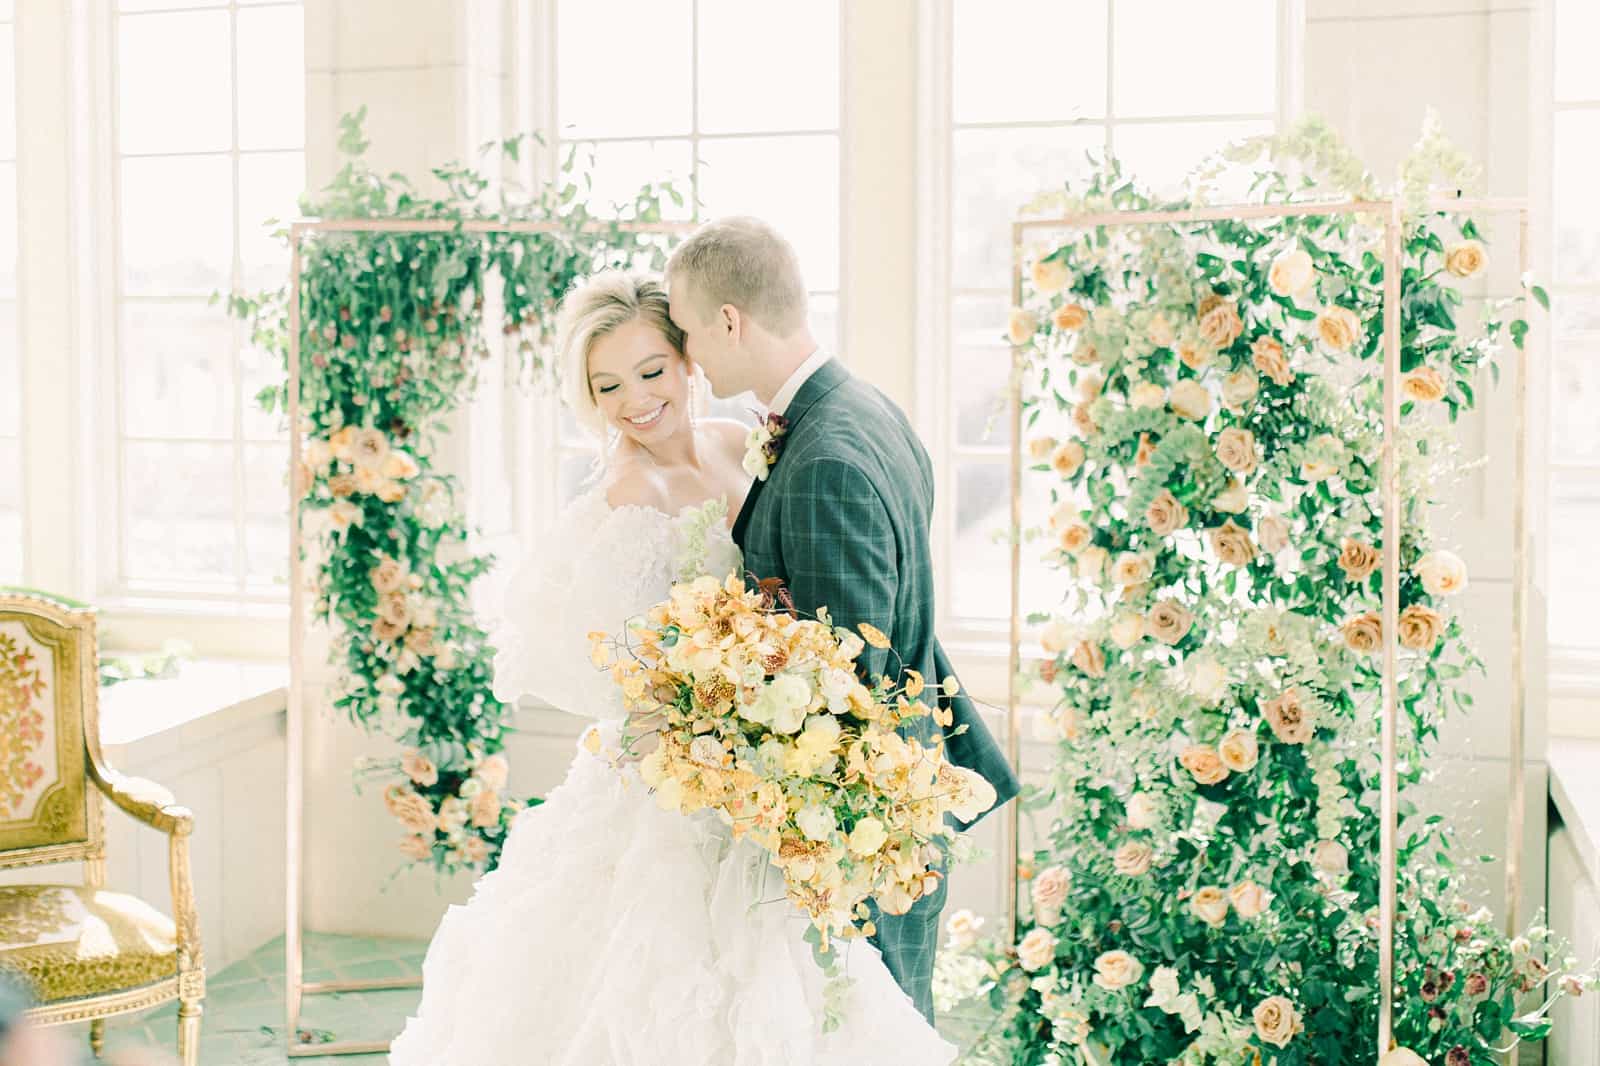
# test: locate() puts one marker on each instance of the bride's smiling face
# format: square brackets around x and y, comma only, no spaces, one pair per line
[640,382]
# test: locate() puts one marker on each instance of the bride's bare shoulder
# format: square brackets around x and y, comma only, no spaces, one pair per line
[729,433]
[635,484]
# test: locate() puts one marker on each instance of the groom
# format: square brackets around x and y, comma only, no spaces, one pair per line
[841,508]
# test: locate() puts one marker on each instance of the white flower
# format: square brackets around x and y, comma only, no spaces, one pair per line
[1207,679]
[1117,969]
[1143,811]
[755,452]
[963,927]
[1442,573]
[1191,400]
[867,837]
[1331,858]
[1291,273]
[1233,499]
[1127,629]
[817,823]
[974,794]
[1147,394]
[1037,950]
[1402,1056]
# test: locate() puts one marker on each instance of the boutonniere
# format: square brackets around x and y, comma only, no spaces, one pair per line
[762,446]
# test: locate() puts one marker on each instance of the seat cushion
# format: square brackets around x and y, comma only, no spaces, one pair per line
[68,942]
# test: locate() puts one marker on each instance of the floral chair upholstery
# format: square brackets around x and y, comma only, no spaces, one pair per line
[86,953]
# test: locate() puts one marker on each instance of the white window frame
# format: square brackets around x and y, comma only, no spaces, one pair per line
[983,642]
[14,434]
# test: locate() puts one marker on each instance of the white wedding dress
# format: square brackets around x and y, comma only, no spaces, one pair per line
[614,933]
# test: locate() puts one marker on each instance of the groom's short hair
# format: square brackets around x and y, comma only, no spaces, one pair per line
[744,262]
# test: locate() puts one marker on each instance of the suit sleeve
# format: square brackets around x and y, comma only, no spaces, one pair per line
[839,550]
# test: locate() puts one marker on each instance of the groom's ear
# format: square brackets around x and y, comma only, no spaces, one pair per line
[732,324]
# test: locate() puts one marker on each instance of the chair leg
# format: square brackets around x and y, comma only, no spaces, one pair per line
[97,1037]
[189,1012]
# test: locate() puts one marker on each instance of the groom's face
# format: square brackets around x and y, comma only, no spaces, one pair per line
[710,339]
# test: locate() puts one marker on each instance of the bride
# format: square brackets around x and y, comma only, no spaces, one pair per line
[614,933]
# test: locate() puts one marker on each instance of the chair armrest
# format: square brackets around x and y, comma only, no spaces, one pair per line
[145,800]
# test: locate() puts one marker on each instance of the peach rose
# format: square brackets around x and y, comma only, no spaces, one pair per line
[1089,387]
[1420,627]
[1219,321]
[1131,568]
[419,768]
[1117,969]
[416,847]
[1272,533]
[342,443]
[1166,515]
[1147,394]
[493,771]
[1142,811]
[387,631]
[1338,327]
[1064,514]
[388,576]
[1231,543]
[1021,325]
[1276,1021]
[1442,573]
[1358,560]
[1037,950]
[1067,459]
[1049,891]
[1239,751]
[1292,273]
[1267,356]
[1363,634]
[342,485]
[1194,355]
[1127,629]
[1075,538]
[1168,622]
[410,809]
[400,466]
[369,481]
[1083,420]
[1132,859]
[1070,317]
[1209,905]
[1090,658]
[1040,448]
[1146,449]
[1425,384]
[1290,720]
[1465,259]
[486,808]
[1190,400]
[1239,388]
[394,609]
[1203,764]
[1049,276]
[1085,354]
[1236,450]
[1249,899]
[1092,562]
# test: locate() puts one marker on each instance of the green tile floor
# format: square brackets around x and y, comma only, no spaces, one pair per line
[244,1015]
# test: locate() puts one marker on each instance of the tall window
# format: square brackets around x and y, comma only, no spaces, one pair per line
[1025,108]
[737,101]
[11,560]
[1575,367]
[206,150]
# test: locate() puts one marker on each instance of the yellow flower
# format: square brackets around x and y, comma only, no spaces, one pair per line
[873,635]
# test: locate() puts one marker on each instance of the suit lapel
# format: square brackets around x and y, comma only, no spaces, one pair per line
[829,376]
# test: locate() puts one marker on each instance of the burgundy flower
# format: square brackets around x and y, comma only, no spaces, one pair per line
[1458,1056]
[1430,991]
[1477,984]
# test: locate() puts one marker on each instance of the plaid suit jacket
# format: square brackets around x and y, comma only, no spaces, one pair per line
[843,520]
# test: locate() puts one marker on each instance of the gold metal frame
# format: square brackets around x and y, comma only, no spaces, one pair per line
[296,987]
[1390,213]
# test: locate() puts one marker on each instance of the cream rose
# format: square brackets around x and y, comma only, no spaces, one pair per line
[1239,751]
[1049,276]
[1092,562]
[1425,384]
[1358,560]
[419,768]
[1190,400]
[1236,450]
[1085,354]
[1049,891]
[1166,515]
[1209,905]
[1219,321]
[1069,317]
[1055,637]
[1249,899]
[486,808]
[1083,420]
[1442,573]
[1272,533]
[493,771]
[1168,622]
[1331,858]
[1292,273]
[963,927]
[368,449]
[1067,459]
[1231,543]
[1267,356]
[1076,537]
[1131,568]
[1021,325]
[388,576]
[1041,448]
[1194,355]
[1420,627]
[1239,388]
[1117,969]
[1143,812]
[1276,1021]
[1147,394]
[1203,764]
[1132,859]
[1160,331]
[1127,629]
[410,809]
[1363,634]
[1465,259]
[1338,327]
[1090,658]
[400,466]
[1233,499]
[1290,720]
[1037,950]
[1090,387]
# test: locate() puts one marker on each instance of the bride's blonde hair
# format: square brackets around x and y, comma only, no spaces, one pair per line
[595,307]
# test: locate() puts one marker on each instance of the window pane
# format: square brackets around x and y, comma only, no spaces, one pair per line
[272,90]
[257,370]
[1577,209]
[8,93]
[1577,27]
[10,511]
[979,369]
[1575,392]
[269,188]
[266,503]
[996,172]
[175,371]
[790,182]
[168,105]
[10,373]
[1163,62]
[624,68]
[177,225]
[616,170]
[166,5]
[745,87]
[178,501]
[981,586]
[8,229]
[1160,155]
[1575,580]
[1029,60]
[574,475]
[824,319]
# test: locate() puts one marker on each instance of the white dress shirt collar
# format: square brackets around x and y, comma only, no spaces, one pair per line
[786,395]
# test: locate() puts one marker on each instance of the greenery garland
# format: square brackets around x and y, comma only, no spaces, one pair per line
[1208,888]
[390,346]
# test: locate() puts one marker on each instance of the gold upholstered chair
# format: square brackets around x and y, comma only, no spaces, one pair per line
[85,953]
